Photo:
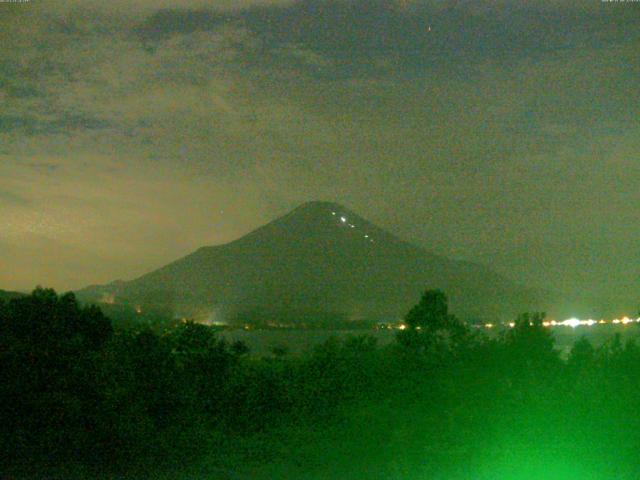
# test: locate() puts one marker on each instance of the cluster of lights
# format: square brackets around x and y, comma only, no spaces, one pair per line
[344,220]
[108,298]
[570,322]
[575,322]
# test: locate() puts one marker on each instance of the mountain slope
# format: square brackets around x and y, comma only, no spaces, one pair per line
[320,259]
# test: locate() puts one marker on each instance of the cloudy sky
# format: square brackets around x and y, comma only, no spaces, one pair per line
[133,132]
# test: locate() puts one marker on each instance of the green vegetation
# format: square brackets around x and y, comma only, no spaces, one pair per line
[81,399]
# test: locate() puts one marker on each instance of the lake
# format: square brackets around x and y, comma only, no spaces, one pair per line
[261,342]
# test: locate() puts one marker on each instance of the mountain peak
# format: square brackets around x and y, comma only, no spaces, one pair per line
[318,205]
[319,208]
[318,218]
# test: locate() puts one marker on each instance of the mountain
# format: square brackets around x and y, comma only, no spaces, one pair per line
[321,261]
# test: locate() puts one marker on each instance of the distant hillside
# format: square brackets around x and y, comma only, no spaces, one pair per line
[320,261]
[5,295]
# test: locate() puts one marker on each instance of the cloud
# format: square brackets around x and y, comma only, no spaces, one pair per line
[13,199]
[480,142]
[64,122]
[365,37]
[144,7]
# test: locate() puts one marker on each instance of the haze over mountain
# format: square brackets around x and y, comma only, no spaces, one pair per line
[319,261]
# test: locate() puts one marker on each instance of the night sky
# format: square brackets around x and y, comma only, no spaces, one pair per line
[501,132]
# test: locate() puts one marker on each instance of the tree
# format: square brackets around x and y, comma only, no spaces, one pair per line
[48,322]
[582,354]
[431,313]
[429,323]
[530,344]
[49,349]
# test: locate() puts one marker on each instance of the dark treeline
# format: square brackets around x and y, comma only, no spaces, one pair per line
[81,399]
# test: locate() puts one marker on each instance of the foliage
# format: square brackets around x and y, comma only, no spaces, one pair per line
[430,326]
[80,399]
